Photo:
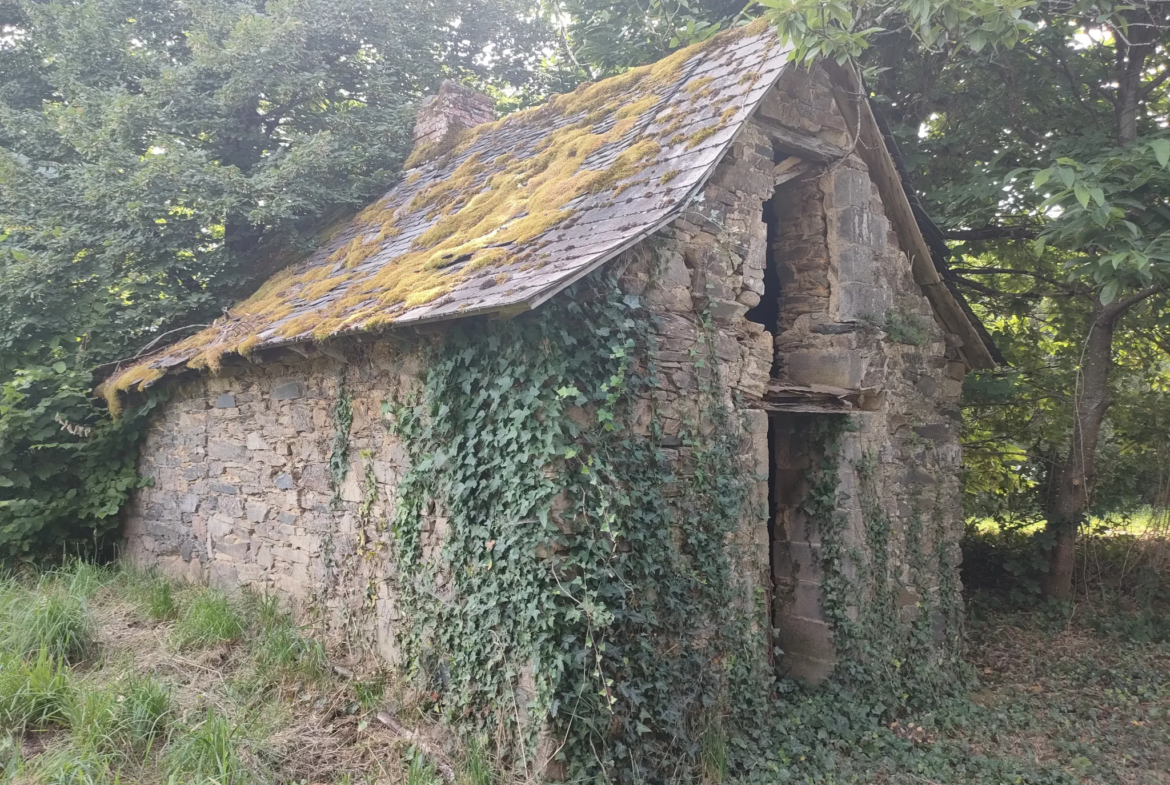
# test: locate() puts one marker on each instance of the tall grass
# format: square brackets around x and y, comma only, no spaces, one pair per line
[210,618]
[128,718]
[54,617]
[34,692]
[279,651]
[207,751]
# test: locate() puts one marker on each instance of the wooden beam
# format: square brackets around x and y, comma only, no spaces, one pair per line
[801,145]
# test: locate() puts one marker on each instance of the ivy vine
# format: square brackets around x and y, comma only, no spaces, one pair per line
[583,583]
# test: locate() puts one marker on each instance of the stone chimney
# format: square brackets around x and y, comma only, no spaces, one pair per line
[455,108]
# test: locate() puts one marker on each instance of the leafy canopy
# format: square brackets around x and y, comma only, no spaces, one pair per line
[157,158]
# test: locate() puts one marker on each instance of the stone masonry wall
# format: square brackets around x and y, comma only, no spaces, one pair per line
[844,279]
[242,493]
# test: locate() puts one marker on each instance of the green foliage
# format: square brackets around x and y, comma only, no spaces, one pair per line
[160,600]
[35,691]
[107,719]
[55,619]
[607,36]
[339,455]
[565,557]
[208,751]
[841,31]
[279,650]
[65,469]
[160,157]
[210,618]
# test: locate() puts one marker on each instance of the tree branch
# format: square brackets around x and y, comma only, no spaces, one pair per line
[1125,303]
[991,233]
[1063,285]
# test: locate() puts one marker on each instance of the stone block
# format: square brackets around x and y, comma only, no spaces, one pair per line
[835,368]
[255,442]
[857,301]
[288,391]
[231,546]
[222,488]
[225,401]
[257,512]
[227,451]
[285,481]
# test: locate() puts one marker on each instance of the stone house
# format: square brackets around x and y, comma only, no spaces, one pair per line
[723,186]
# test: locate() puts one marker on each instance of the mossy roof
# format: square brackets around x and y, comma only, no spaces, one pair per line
[505,215]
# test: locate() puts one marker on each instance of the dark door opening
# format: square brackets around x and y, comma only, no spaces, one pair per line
[767,312]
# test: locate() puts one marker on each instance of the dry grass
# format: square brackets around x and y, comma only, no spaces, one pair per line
[266,706]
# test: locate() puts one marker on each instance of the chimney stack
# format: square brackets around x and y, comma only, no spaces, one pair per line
[455,108]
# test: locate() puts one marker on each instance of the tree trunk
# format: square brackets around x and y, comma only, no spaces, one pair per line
[1070,501]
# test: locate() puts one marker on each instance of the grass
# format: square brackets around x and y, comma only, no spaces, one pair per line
[112,676]
[210,618]
[183,685]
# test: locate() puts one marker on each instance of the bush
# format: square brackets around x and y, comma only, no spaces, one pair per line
[209,619]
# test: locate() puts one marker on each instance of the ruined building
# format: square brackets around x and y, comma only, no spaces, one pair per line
[734,195]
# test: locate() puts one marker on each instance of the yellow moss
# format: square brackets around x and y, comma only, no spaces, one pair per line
[485,212]
[695,85]
[702,135]
[246,347]
[666,178]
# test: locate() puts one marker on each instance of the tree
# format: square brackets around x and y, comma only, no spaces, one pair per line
[1061,138]
[158,158]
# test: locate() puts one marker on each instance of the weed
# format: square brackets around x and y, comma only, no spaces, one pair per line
[422,771]
[81,578]
[369,692]
[713,750]
[34,692]
[207,751]
[209,619]
[145,712]
[74,765]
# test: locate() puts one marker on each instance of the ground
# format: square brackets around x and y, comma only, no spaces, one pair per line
[173,684]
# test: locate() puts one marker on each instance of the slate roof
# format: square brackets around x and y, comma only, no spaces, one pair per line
[446,243]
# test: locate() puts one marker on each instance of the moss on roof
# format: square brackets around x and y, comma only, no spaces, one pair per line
[487,199]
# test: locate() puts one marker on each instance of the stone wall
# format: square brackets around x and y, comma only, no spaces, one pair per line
[243,492]
[851,316]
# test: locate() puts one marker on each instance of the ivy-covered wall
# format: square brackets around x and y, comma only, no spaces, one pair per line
[578,527]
